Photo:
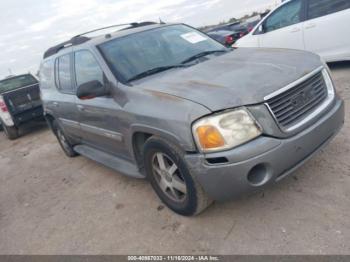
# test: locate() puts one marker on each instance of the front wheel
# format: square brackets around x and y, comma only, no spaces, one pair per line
[171,179]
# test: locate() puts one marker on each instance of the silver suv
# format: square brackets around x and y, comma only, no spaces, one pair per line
[200,121]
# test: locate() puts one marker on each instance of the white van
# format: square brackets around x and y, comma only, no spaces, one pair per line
[319,26]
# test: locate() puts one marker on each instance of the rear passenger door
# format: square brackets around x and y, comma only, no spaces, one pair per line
[327,30]
[99,117]
[61,101]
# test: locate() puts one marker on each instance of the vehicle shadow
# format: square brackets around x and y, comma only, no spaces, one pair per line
[32,127]
[339,65]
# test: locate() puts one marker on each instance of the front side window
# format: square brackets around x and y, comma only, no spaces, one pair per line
[318,8]
[64,73]
[13,83]
[161,47]
[287,15]
[87,68]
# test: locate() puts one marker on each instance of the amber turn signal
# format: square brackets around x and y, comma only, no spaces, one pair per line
[209,137]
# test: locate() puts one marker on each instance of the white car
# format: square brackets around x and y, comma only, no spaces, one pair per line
[319,26]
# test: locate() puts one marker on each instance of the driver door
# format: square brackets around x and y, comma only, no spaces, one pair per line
[99,117]
[284,27]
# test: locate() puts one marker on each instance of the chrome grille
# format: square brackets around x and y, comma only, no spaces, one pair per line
[298,102]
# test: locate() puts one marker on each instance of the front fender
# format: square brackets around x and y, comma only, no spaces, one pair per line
[186,146]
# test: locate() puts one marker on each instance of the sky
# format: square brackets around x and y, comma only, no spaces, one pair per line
[29,27]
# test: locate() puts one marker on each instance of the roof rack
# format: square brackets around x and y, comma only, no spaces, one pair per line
[76,40]
[134,25]
[81,38]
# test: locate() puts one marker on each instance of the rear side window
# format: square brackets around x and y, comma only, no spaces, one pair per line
[287,15]
[318,8]
[64,78]
[87,68]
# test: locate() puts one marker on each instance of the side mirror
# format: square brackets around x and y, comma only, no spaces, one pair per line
[91,90]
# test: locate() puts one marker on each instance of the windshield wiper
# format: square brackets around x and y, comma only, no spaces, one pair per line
[192,58]
[154,71]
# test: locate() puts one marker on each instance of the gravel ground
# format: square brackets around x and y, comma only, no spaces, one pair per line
[50,204]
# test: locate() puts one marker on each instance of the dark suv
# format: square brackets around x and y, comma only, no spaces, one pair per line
[201,121]
[19,103]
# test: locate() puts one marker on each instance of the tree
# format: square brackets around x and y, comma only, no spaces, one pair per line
[233,20]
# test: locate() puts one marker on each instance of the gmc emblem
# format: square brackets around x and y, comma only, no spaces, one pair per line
[302,98]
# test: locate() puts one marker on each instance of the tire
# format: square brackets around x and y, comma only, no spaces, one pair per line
[62,140]
[174,185]
[11,132]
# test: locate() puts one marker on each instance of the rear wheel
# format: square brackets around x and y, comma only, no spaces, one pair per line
[63,141]
[171,179]
[11,132]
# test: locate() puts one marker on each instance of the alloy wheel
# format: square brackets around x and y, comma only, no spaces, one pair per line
[169,177]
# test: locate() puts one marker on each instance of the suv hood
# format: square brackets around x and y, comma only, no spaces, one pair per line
[242,77]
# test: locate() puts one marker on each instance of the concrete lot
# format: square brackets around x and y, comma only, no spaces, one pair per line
[50,204]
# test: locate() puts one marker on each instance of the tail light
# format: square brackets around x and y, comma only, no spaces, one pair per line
[229,40]
[250,28]
[3,106]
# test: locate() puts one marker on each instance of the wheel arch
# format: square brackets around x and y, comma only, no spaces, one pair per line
[49,120]
[141,133]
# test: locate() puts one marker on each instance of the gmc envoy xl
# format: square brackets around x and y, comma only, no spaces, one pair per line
[202,122]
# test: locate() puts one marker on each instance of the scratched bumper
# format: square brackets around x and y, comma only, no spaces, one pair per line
[268,159]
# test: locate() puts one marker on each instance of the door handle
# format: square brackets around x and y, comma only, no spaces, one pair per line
[80,107]
[295,30]
[310,26]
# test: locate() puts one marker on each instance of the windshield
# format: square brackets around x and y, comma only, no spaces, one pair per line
[16,82]
[161,47]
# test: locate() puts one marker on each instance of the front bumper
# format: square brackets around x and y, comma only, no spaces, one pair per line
[265,160]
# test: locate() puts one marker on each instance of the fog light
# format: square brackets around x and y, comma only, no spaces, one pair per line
[259,175]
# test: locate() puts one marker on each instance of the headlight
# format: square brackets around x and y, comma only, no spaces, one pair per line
[225,131]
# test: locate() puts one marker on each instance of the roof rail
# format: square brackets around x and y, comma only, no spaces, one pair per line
[80,39]
[131,25]
[76,40]
[134,25]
